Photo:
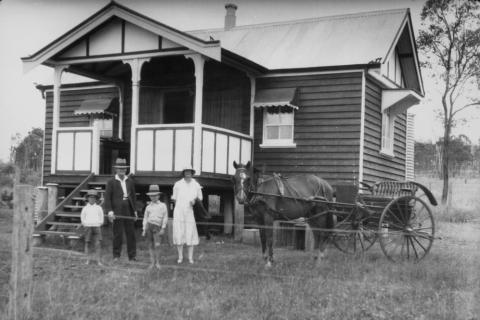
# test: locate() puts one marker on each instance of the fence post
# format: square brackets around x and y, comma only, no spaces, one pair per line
[41,204]
[239,220]
[52,196]
[20,303]
[228,207]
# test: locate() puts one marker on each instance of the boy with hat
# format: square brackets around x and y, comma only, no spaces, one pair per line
[154,224]
[92,220]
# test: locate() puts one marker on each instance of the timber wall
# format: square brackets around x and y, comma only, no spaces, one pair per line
[376,166]
[326,128]
[69,101]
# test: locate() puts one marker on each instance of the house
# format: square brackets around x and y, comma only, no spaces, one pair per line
[328,96]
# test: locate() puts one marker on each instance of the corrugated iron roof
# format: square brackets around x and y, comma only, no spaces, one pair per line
[278,97]
[353,39]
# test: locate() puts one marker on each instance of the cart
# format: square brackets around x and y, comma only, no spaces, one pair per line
[395,214]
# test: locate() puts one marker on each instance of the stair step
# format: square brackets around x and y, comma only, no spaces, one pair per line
[78,199]
[68,214]
[97,183]
[58,233]
[67,185]
[73,207]
[86,190]
[67,224]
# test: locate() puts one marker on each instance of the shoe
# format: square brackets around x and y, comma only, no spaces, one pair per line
[190,261]
[158,266]
[116,259]
[179,261]
[133,259]
[87,262]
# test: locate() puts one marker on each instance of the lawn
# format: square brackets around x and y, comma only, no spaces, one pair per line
[229,282]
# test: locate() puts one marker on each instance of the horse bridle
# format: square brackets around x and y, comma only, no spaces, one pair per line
[242,172]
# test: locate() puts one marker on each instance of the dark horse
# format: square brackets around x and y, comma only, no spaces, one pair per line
[272,198]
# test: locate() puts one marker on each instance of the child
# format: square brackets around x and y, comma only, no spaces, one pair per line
[92,221]
[154,224]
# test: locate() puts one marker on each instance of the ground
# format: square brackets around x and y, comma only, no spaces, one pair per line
[228,281]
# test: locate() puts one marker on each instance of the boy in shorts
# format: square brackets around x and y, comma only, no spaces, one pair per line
[154,224]
[92,221]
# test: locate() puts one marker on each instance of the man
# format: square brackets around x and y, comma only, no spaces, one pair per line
[120,200]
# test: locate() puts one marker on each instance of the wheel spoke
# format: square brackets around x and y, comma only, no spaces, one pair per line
[423,235]
[393,214]
[401,212]
[416,240]
[413,247]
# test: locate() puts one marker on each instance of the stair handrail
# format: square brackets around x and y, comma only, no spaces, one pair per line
[41,225]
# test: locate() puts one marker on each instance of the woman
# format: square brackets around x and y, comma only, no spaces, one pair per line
[185,192]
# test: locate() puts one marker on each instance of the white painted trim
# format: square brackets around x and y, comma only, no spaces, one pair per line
[136,67]
[294,74]
[280,145]
[121,107]
[253,85]
[165,126]
[199,65]
[121,57]
[75,129]
[95,148]
[387,153]
[57,82]
[242,135]
[362,130]
[84,88]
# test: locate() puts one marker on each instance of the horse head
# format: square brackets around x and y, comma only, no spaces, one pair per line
[241,181]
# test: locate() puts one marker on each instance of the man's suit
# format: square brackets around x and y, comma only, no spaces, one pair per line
[122,206]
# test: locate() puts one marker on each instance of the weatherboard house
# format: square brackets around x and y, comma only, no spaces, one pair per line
[327,96]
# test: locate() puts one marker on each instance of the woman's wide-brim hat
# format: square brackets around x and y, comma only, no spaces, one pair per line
[92,193]
[121,164]
[188,168]
[153,190]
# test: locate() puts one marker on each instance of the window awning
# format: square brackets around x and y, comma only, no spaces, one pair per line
[102,107]
[397,101]
[283,97]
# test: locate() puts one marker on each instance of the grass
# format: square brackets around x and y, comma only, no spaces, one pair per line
[464,204]
[229,282]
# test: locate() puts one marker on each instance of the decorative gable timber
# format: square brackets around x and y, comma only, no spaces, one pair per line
[73,42]
[400,64]
[116,37]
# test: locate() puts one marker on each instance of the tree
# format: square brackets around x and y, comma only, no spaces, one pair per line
[450,41]
[29,152]
[459,153]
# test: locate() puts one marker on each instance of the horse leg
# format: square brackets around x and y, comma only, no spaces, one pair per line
[268,219]
[321,236]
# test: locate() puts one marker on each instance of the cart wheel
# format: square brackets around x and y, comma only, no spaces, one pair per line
[406,229]
[357,237]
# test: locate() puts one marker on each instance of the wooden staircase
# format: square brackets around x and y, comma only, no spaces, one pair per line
[64,221]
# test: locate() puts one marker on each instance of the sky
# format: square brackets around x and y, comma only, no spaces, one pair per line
[28,25]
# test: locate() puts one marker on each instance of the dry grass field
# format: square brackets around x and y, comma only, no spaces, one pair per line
[229,282]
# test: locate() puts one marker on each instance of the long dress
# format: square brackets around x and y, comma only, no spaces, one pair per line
[184,227]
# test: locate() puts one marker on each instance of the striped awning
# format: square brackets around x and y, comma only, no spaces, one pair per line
[97,107]
[282,97]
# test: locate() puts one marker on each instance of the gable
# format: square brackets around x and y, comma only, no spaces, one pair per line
[115,30]
[114,37]
[400,65]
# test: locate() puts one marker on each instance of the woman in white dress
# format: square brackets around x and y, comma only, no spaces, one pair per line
[185,192]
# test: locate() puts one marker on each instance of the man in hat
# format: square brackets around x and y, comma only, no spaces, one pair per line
[185,192]
[120,200]
[92,221]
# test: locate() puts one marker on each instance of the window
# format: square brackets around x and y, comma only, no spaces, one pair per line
[278,129]
[388,126]
[105,127]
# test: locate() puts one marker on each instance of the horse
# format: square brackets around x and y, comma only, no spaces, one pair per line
[271,198]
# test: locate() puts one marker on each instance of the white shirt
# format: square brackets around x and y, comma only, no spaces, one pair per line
[92,215]
[123,184]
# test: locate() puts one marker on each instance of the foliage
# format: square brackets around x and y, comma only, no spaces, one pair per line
[7,174]
[28,153]
[450,41]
